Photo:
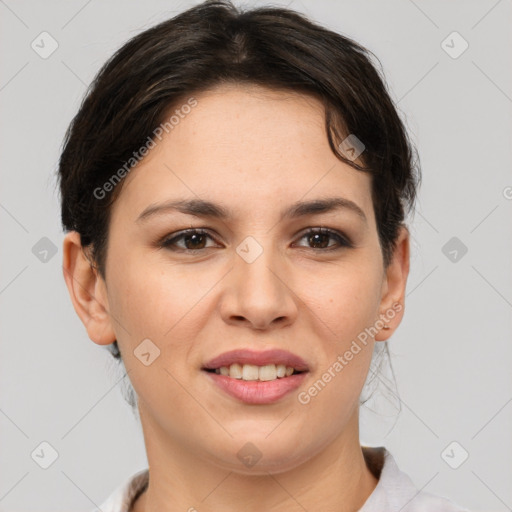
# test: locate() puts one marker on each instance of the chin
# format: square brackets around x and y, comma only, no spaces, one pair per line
[260,456]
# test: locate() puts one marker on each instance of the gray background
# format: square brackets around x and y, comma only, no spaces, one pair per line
[452,354]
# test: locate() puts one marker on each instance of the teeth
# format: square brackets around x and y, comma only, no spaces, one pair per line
[252,372]
[267,372]
[235,371]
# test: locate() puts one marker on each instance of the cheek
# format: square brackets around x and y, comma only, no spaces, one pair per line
[162,304]
[344,299]
[151,299]
[166,303]
[345,305]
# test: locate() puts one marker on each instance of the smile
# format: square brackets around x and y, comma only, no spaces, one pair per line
[256,377]
[251,372]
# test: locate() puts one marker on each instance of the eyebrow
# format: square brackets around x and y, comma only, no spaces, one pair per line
[203,208]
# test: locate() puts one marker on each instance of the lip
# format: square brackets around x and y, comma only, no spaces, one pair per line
[245,356]
[257,392]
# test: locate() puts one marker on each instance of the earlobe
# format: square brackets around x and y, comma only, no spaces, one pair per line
[87,291]
[392,304]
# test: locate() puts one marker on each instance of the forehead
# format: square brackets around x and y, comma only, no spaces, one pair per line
[247,145]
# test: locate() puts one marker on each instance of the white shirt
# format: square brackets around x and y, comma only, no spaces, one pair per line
[395,491]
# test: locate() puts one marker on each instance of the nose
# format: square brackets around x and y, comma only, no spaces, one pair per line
[259,294]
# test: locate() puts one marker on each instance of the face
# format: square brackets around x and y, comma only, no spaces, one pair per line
[265,276]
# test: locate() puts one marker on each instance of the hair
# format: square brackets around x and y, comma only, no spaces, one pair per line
[216,43]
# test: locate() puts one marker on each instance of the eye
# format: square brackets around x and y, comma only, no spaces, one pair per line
[320,237]
[187,240]
[196,240]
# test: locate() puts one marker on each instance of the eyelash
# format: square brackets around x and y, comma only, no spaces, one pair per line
[343,241]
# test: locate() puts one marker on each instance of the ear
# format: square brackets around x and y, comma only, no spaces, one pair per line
[392,303]
[87,290]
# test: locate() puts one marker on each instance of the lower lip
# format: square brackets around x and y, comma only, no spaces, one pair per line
[257,392]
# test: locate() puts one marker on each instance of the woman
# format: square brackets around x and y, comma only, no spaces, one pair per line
[234,188]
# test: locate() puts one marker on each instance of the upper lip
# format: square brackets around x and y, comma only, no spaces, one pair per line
[262,358]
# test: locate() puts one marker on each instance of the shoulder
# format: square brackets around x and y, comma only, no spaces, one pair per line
[396,491]
[121,499]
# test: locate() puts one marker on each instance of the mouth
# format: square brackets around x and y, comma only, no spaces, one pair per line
[253,365]
[251,372]
[257,378]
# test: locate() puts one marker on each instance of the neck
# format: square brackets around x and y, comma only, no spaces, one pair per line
[336,478]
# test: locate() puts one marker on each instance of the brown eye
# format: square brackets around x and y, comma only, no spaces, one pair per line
[320,238]
[189,240]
